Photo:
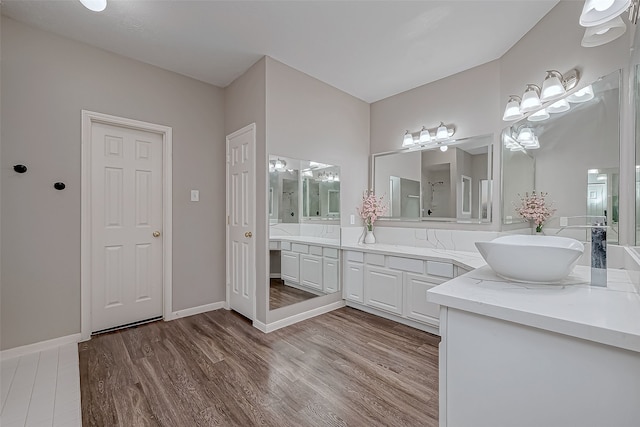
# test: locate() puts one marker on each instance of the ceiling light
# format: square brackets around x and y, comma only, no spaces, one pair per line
[596,12]
[530,99]
[559,106]
[552,87]
[583,95]
[604,33]
[425,136]
[512,111]
[444,148]
[95,5]
[539,115]
[407,141]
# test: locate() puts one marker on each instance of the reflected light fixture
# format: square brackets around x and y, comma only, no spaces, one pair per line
[279,165]
[604,33]
[530,99]
[552,87]
[539,116]
[444,148]
[512,111]
[407,141]
[583,95]
[596,12]
[559,106]
[95,5]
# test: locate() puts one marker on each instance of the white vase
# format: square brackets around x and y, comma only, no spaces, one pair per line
[369,237]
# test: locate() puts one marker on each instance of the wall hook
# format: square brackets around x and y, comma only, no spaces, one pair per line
[20,168]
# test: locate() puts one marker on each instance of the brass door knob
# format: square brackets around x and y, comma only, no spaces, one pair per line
[248,234]
[156,234]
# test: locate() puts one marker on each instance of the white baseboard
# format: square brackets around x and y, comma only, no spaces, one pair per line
[432,329]
[195,310]
[38,346]
[278,324]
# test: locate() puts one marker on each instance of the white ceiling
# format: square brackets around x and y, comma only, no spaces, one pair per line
[369,49]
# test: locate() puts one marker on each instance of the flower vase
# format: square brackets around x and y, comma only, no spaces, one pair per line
[369,237]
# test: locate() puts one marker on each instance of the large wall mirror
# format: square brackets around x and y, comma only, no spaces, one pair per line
[304,230]
[429,184]
[572,152]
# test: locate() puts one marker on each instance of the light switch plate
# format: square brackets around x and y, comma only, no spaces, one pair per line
[352,219]
[195,195]
[564,221]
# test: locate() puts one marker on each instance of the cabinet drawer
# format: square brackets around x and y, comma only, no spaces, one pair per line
[315,250]
[330,252]
[285,246]
[300,248]
[442,269]
[416,304]
[406,264]
[355,256]
[375,259]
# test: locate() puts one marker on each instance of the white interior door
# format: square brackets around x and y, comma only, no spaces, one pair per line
[241,220]
[126,225]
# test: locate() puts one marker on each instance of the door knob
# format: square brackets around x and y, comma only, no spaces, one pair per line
[156,234]
[248,234]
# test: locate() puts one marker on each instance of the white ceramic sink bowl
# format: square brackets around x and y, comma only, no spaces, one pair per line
[532,259]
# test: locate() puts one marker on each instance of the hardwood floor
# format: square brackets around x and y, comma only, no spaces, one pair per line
[281,295]
[343,368]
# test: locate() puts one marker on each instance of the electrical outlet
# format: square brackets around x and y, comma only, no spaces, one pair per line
[195,195]
[564,221]
[352,219]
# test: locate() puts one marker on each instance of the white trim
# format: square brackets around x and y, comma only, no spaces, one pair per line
[38,346]
[88,118]
[432,329]
[287,321]
[195,310]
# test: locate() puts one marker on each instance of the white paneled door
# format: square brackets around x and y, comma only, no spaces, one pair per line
[241,208]
[126,226]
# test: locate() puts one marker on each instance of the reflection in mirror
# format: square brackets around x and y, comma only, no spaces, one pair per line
[433,185]
[574,156]
[637,133]
[304,231]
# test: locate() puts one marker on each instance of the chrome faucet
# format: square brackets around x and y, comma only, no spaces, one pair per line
[599,254]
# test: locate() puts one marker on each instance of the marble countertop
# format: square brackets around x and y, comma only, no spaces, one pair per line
[608,315]
[310,240]
[468,260]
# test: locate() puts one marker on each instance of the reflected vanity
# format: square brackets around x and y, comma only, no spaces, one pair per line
[428,184]
[304,230]
[574,156]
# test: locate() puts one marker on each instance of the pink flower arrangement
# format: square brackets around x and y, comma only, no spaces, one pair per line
[372,208]
[534,208]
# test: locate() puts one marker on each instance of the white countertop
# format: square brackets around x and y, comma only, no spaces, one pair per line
[468,260]
[332,243]
[608,315]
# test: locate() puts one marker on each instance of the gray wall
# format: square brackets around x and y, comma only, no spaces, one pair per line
[46,81]
[308,119]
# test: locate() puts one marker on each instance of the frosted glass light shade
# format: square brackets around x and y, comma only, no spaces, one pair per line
[525,136]
[604,33]
[596,12]
[407,141]
[530,99]
[559,106]
[95,5]
[512,111]
[539,116]
[425,136]
[443,132]
[583,95]
[552,87]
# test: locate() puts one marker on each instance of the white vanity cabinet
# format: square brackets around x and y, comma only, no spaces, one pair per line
[395,286]
[313,268]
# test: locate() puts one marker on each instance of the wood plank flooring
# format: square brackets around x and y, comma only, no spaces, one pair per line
[343,368]
[281,295]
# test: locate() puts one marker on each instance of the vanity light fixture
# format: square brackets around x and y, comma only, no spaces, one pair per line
[530,99]
[552,86]
[539,116]
[95,5]
[559,106]
[512,111]
[583,95]
[427,136]
[407,141]
[596,12]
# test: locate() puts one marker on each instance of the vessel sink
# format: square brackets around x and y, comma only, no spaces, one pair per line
[532,259]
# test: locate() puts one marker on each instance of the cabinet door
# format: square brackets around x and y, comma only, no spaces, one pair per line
[290,266]
[354,281]
[416,305]
[311,271]
[330,275]
[384,289]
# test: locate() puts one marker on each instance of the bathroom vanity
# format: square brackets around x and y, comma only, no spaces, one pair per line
[539,355]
